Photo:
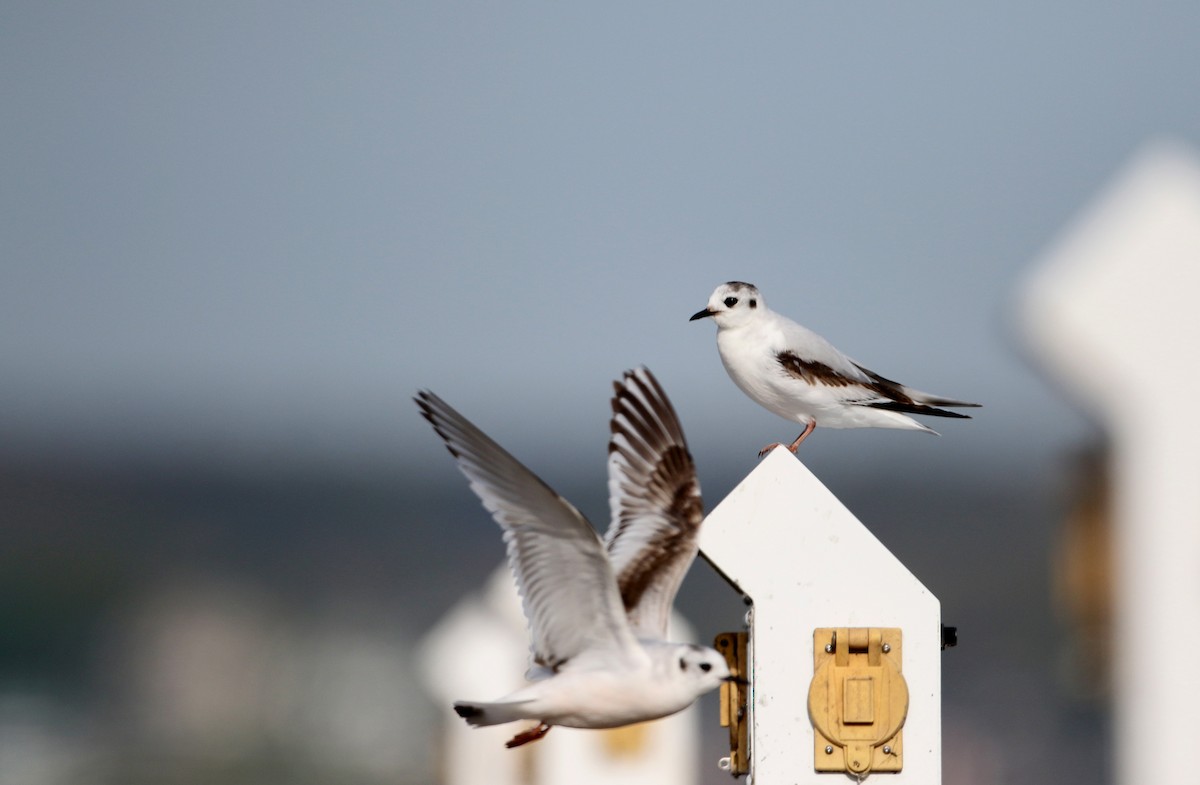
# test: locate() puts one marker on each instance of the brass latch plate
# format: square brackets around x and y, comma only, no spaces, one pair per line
[858,700]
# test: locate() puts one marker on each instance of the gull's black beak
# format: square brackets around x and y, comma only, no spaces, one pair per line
[701,315]
[737,680]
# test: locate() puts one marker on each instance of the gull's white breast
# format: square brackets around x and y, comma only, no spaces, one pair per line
[749,354]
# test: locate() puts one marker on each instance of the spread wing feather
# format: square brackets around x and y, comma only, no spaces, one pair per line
[655,500]
[563,574]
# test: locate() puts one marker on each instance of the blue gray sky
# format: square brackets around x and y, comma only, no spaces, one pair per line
[256,228]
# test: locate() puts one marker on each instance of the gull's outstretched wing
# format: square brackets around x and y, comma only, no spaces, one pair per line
[655,501]
[562,571]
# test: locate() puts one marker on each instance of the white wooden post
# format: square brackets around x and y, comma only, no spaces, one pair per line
[805,562]
[1114,311]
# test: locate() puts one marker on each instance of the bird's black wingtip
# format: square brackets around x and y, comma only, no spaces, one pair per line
[425,403]
[905,407]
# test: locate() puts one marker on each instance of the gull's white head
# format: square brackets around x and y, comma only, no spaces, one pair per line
[733,304]
[700,668]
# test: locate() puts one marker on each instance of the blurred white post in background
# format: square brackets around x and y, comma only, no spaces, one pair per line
[806,563]
[1114,312]
[480,650]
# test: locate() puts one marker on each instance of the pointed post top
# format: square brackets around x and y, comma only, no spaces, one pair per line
[781,528]
[1114,301]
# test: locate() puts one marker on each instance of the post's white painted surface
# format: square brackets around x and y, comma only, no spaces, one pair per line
[1114,313]
[806,562]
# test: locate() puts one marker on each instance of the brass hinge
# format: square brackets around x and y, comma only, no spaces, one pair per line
[734,698]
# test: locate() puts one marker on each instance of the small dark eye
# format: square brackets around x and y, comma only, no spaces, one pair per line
[754,303]
[730,302]
[682,664]
[705,666]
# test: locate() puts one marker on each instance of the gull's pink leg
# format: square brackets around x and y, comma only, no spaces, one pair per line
[807,430]
[812,426]
[526,736]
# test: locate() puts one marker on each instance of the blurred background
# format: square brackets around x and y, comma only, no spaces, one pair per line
[238,237]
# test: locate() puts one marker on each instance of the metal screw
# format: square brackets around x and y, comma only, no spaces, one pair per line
[724,764]
[828,648]
[887,750]
[828,749]
[887,647]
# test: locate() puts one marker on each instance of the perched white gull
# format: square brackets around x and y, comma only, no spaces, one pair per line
[797,374]
[597,610]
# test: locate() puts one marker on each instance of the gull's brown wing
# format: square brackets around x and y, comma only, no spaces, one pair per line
[655,501]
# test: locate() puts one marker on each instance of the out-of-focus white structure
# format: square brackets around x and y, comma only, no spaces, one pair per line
[806,563]
[480,650]
[1113,312]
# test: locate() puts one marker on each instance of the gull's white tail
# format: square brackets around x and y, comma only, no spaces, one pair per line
[479,714]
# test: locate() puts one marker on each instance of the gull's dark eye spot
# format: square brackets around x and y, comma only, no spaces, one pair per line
[705,666]
[754,303]
[682,664]
[730,302]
